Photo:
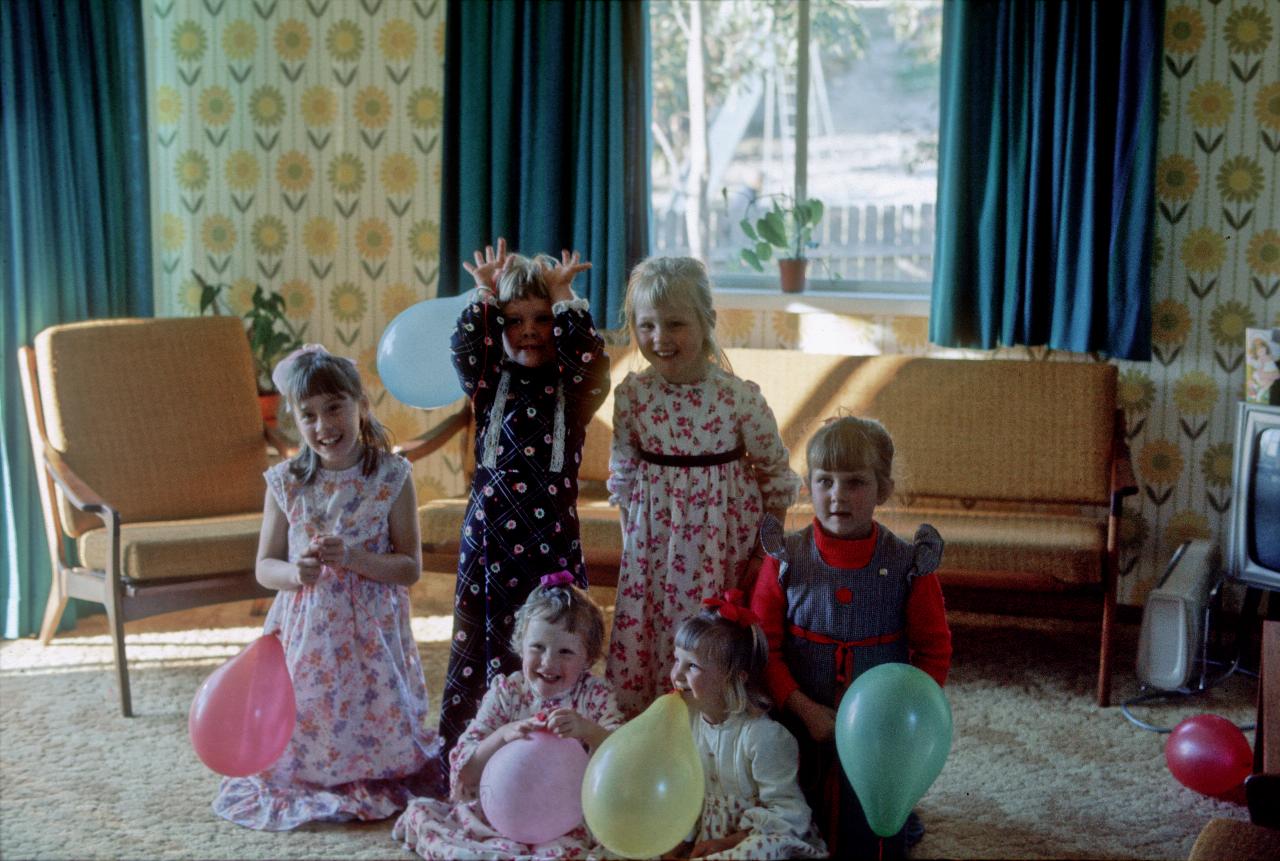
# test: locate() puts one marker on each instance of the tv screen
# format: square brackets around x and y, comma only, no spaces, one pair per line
[1253,551]
[1264,500]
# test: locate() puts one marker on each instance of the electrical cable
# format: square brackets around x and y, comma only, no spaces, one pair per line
[1184,694]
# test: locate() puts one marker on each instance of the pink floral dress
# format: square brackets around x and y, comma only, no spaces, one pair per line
[688,530]
[439,829]
[361,748]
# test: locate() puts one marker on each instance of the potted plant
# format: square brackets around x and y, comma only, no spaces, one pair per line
[787,226]
[271,337]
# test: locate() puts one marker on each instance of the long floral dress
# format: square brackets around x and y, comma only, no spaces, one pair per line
[439,829]
[689,530]
[522,519]
[361,748]
[750,765]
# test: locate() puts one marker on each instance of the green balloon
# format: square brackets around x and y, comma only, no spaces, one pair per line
[893,734]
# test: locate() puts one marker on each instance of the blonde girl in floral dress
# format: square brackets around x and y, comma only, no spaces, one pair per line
[754,807]
[340,545]
[696,463]
[558,635]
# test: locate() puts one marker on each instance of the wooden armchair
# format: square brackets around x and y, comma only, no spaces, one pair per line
[152,447]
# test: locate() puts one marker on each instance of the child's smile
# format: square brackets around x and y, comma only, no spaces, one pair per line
[330,426]
[671,339]
[702,684]
[552,659]
[527,334]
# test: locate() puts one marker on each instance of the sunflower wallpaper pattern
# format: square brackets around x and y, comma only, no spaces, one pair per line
[295,145]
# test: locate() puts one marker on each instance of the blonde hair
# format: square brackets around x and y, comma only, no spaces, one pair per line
[847,443]
[311,372]
[523,278]
[567,606]
[740,650]
[659,281]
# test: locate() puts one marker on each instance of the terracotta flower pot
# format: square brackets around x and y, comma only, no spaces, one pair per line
[791,272]
[270,404]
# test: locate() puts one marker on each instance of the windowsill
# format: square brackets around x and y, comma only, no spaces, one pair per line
[818,301]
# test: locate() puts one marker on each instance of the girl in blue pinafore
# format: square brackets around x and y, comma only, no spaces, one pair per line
[536,370]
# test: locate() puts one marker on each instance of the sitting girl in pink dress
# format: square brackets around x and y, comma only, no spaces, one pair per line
[340,545]
[754,807]
[559,634]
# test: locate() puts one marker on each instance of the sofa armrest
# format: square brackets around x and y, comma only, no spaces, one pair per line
[435,438]
[78,493]
[279,441]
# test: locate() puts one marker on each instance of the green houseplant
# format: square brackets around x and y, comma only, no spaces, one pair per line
[271,337]
[788,227]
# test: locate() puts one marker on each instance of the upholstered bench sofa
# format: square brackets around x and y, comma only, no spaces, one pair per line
[1021,465]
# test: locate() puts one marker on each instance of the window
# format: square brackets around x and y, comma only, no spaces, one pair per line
[731,132]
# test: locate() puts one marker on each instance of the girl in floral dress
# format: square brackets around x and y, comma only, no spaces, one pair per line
[536,370]
[696,463]
[754,807]
[340,545]
[559,634]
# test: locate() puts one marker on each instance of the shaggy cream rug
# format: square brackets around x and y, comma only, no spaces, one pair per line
[1036,770]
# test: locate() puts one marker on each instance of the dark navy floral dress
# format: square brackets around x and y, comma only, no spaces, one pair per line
[521,520]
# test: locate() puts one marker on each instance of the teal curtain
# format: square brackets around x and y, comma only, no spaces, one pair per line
[1046,167]
[74,225]
[546,137]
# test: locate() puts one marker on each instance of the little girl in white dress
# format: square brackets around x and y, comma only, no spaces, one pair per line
[754,807]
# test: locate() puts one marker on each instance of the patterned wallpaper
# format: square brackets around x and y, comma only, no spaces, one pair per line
[295,144]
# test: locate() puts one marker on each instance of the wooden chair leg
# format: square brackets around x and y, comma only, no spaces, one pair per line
[115,618]
[53,608]
[1108,636]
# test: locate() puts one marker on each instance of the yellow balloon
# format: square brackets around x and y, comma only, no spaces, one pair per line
[643,789]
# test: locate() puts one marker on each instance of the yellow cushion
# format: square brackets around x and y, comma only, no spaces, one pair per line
[163,550]
[160,417]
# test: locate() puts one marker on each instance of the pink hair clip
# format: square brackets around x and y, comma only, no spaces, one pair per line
[283,367]
[731,609]
[559,578]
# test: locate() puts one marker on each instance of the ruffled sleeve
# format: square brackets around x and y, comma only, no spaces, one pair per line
[582,360]
[769,457]
[497,708]
[276,476]
[773,759]
[477,348]
[623,460]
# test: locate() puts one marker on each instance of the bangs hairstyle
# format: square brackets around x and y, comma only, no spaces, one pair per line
[740,650]
[568,607]
[666,281]
[847,443]
[523,278]
[320,373]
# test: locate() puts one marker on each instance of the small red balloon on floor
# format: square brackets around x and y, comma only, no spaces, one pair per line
[1209,754]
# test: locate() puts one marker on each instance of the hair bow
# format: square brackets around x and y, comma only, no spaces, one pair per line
[730,608]
[559,578]
[280,375]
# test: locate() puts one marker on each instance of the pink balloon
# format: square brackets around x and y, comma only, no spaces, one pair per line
[531,789]
[1209,754]
[243,715]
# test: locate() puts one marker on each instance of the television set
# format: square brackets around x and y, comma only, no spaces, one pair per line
[1253,548]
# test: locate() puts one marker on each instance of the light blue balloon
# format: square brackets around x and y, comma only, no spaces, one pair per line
[415,360]
[893,735]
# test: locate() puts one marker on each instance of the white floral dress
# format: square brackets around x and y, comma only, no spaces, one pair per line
[439,829]
[750,764]
[361,748]
[689,530]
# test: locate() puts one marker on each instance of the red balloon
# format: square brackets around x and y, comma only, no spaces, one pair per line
[243,715]
[1209,754]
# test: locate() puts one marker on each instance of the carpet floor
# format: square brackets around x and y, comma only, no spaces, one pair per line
[1036,770]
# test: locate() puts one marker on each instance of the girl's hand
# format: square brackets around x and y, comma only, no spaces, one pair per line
[750,571]
[566,723]
[331,550]
[517,729]
[559,278]
[720,844]
[488,266]
[820,721]
[308,569]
